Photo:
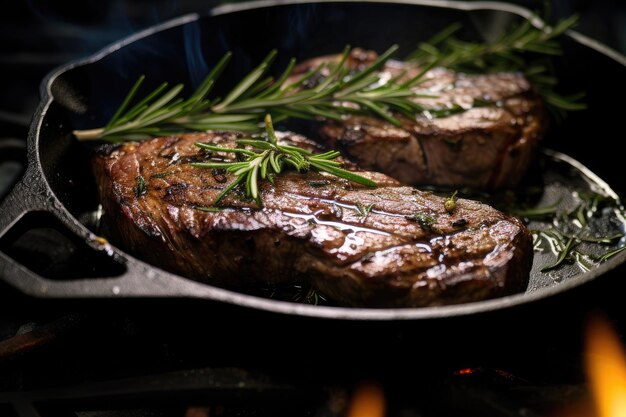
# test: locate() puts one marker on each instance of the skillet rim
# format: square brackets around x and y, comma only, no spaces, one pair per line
[276,306]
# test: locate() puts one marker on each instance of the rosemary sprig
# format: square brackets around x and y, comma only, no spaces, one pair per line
[524,48]
[424,220]
[565,250]
[140,188]
[341,92]
[265,158]
[296,293]
[566,232]
[536,213]
[608,255]
[575,223]
[364,210]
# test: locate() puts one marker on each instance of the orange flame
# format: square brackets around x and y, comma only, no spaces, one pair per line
[606,368]
[464,371]
[368,401]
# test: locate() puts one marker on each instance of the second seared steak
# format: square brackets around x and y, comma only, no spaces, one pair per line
[392,246]
[487,141]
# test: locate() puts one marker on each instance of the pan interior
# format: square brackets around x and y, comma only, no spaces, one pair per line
[87,95]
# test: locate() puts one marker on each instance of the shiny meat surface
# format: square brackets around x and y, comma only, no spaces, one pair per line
[489,145]
[408,251]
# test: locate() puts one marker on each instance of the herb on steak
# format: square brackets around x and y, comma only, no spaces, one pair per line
[319,184]
[140,188]
[450,204]
[364,210]
[342,92]
[209,209]
[425,221]
[161,175]
[270,158]
[524,48]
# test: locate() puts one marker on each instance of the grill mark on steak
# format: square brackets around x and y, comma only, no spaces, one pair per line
[488,146]
[310,234]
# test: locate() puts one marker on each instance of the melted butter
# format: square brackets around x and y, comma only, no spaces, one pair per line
[344,227]
[355,208]
[341,239]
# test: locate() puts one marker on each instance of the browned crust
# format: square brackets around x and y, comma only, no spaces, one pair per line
[384,259]
[487,147]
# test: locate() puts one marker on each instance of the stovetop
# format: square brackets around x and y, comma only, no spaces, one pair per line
[146,359]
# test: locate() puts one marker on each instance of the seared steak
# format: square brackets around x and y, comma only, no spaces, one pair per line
[389,246]
[488,145]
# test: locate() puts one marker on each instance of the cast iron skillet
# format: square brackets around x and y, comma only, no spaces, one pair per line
[83,94]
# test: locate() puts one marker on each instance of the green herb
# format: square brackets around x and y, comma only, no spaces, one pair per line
[260,159]
[523,48]
[563,254]
[364,211]
[342,92]
[294,293]
[311,296]
[611,254]
[161,175]
[537,213]
[565,232]
[450,204]
[319,184]
[209,209]
[609,239]
[425,221]
[140,188]
[566,249]
[454,144]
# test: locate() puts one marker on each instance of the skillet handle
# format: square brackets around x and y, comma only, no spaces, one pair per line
[132,278]
[26,196]
[29,196]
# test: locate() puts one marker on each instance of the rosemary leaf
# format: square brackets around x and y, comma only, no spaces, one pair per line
[267,159]
[425,221]
[364,210]
[344,174]
[247,82]
[126,101]
[612,253]
[523,48]
[565,251]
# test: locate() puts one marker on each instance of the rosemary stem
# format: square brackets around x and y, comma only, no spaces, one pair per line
[90,134]
[181,120]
